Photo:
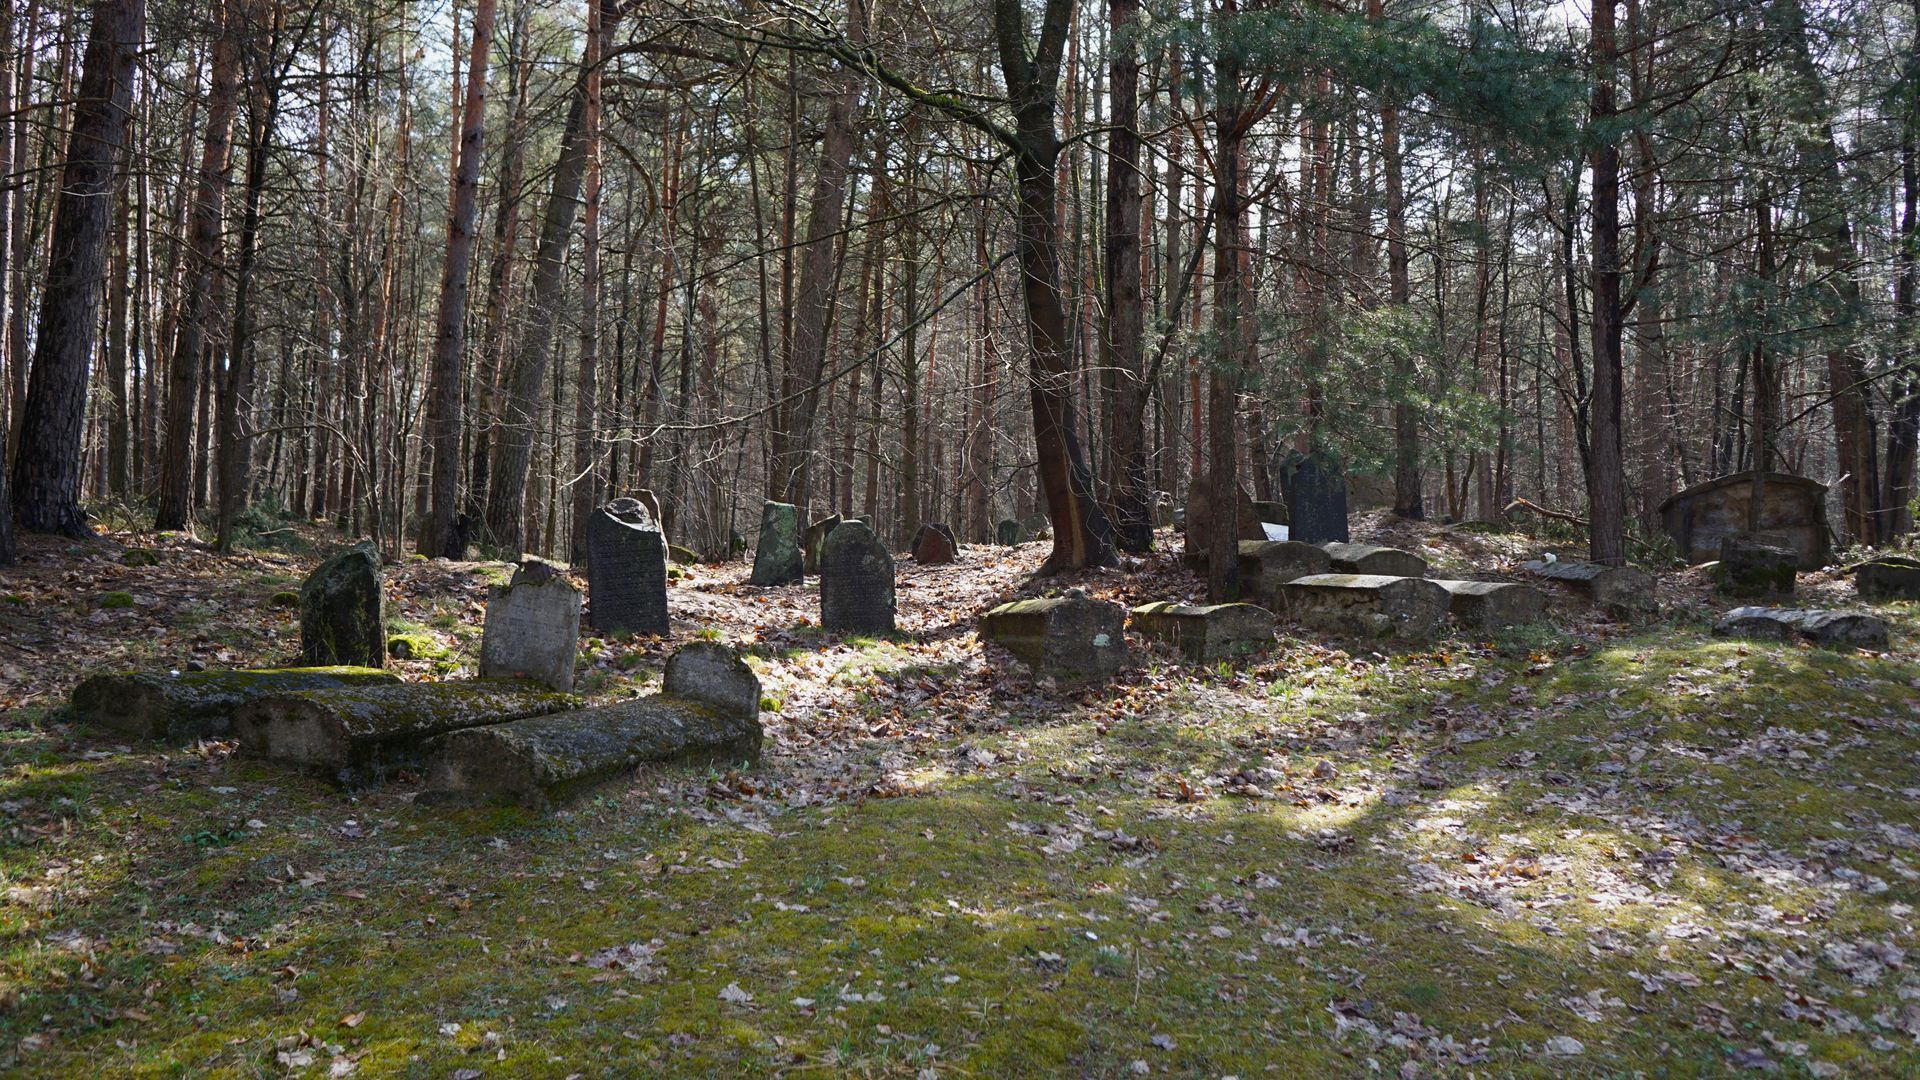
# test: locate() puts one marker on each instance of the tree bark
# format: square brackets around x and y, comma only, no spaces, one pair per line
[1127,478]
[1606,479]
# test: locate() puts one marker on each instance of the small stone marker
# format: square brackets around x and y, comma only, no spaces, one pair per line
[1073,637]
[192,705]
[1007,532]
[1834,629]
[933,543]
[1316,500]
[1755,566]
[1365,605]
[776,561]
[1491,605]
[1267,564]
[707,713]
[1888,577]
[342,615]
[626,569]
[813,540]
[856,582]
[1370,559]
[532,630]
[1621,591]
[1206,633]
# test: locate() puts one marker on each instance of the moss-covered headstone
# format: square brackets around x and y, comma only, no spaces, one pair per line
[342,620]
[777,560]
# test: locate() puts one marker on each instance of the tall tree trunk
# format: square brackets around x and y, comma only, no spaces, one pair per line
[1127,478]
[46,470]
[587,444]
[444,537]
[1223,383]
[1903,429]
[1606,479]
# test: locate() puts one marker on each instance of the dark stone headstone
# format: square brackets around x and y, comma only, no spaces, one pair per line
[1755,566]
[1316,500]
[626,569]
[934,543]
[1007,532]
[776,561]
[812,540]
[532,629]
[1270,511]
[856,581]
[1888,577]
[342,620]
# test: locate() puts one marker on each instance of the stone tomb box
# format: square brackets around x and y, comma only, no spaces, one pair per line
[1792,510]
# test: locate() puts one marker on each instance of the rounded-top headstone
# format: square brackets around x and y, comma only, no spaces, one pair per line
[342,620]
[856,581]
[934,543]
[626,569]
[709,672]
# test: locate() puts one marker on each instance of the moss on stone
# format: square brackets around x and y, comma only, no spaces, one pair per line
[113,601]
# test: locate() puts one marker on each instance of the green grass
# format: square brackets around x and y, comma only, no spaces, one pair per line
[1667,847]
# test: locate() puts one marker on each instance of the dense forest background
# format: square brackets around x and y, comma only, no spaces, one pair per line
[450,274]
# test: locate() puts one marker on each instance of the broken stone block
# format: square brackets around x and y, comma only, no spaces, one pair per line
[1491,605]
[356,733]
[1206,633]
[933,543]
[1621,591]
[1072,637]
[1888,577]
[1834,629]
[1755,566]
[1266,564]
[708,713]
[199,704]
[1371,559]
[1365,605]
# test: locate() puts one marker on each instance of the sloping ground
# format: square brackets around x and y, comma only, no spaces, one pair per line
[1581,850]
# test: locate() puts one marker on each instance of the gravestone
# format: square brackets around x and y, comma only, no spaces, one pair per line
[626,569]
[1832,629]
[776,561]
[1755,566]
[1072,637]
[1491,605]
[1372,559]
[1367,605]
[1622,591]
[856,581]
[1790,508]
[645,497]
[533,629]
[812,540]
[1316,500]
[1206,633]
[933,543]
[1007,532]
[1267,564]
[1888,577]
[342,617]
[1036,526]
[1270,511]
[736,544]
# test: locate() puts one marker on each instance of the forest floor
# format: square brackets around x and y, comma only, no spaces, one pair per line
[1584,849]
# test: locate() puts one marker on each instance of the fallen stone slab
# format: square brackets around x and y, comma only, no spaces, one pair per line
[1757,566]
[1888,577]
[1834,629]
[199,704]
[1493,604]
[1206,633]
[355,733]
[1072,637]
[708,713]
[1365,605]
[1621,591]
[1372,559]
[1266,564]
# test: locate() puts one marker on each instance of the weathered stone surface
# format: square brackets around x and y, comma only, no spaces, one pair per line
[777,560]
[736,544]
[1365,605]
[342,612]
[1316,499]
[1206,633]
[1370,559]
[813,540]
[1791,507]
[1836,629]
[1619,590]
[856,582]
[1072,637]
[1755,566]
[709,672]
[1036,526]
[1888,577]
[1490,605]
[626,569]
[933,543]
[1266,564]
[1007,532]
[199,704]
[1271,511]
[682,555]
[355,733]
[1199,529]
[651,502]
[532,631]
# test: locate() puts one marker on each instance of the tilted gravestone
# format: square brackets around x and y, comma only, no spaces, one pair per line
[811,541]
[1007,532]
[532,629]
[934,543]
[776,561]
[342,618]
[626,569]
[856,581]
[1316,500]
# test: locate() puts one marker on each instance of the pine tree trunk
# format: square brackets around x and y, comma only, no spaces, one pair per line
[1606,480]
